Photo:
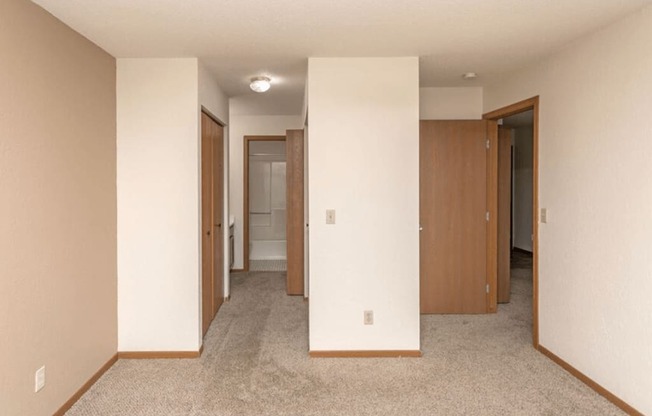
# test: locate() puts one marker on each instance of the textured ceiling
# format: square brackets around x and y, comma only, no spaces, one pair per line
[238,39]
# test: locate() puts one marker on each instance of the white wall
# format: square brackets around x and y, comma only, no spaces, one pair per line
[522,189]
[158,184]
[364,161]
[240,126]
[595,153]
[454,103]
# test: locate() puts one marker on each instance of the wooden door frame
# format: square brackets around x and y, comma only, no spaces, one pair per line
[245,193]
[207,113]
[510,110]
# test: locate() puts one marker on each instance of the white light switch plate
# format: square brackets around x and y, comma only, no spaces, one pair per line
[544,215]
[330,216]
[368,317]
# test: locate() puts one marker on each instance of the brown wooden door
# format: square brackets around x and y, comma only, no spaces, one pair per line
[217,137]
[295,210]
[504,212]
[206,221]
[454,252]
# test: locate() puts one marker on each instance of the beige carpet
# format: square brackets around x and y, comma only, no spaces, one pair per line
[268,265]
[255,363]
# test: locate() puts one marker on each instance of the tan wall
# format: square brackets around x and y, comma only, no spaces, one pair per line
[57,209]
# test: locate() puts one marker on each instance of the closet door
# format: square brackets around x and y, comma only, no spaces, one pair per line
[217,136]
[206,221]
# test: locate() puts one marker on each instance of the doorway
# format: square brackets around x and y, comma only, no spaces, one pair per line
[273,205]
[518,198]
[265,213]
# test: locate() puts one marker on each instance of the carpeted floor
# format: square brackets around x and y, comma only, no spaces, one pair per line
[255,363]
[268,265]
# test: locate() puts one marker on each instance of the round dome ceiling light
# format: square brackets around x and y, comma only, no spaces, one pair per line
[260,84]
[469,75]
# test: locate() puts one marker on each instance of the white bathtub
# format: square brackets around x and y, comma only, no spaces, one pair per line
[268,250]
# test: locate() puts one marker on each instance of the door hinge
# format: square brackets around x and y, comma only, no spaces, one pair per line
[487,287]
[487,215]
[487,143]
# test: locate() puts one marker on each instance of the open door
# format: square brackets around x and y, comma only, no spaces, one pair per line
[457,215]
[504,212]
[295,211]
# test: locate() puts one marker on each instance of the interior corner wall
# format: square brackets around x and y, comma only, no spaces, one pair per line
[57,209]
[240,126]
[595,273]
[158,199]
[522,188]
[364,163]
[450,103]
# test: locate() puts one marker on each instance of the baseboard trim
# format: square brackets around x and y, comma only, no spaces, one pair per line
[589,382]
[366,354]
[237,270]
[153,355]
[84,388]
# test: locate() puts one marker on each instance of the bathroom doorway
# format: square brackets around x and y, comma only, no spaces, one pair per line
[265,211]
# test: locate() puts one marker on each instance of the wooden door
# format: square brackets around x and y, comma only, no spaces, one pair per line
[206,221]
[504,212]
[295,211]
[217,139]
[455,172]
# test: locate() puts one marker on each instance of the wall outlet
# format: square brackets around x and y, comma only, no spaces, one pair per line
[544,215]
[39,379]
[368,317]
[330,216]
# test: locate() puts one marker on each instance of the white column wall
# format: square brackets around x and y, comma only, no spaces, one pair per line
[364,160]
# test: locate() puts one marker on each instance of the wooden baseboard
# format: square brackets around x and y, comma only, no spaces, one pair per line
[150,355]
[589,382]
[365,354]
[84,388]
[237,270]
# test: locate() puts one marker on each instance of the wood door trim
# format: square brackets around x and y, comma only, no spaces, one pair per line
[510,110]
[492,224]
[365,354]
[245,194]
[624,406]
[212,116]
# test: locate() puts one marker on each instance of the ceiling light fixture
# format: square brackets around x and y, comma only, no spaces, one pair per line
[260,84]
[469,75]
